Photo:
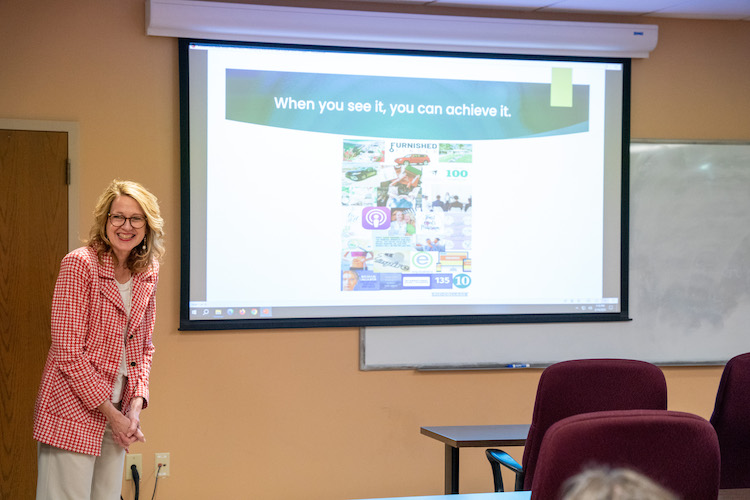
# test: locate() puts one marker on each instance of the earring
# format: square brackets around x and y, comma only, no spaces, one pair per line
[144,245]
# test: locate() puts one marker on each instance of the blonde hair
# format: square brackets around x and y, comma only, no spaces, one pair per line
[613,484]
[139,259]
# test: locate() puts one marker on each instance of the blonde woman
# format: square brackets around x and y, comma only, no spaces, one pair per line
[613,484]
[95,380]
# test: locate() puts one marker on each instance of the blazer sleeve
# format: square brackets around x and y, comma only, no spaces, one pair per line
[71,313]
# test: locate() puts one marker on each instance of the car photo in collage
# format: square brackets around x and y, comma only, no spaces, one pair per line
[406,215]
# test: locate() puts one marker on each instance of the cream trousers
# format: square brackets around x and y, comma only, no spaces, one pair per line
[67,475]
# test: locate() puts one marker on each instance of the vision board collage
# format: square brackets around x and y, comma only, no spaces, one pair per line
[406,216]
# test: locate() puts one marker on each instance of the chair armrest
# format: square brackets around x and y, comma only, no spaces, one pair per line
[498,458]
[503,458]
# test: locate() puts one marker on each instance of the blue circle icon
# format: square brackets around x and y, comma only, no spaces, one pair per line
[461,280]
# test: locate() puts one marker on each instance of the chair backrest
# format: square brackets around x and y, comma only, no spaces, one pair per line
[585,385]
[677,450]
[731,419]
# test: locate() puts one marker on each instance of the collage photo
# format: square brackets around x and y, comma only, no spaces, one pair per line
[406,216]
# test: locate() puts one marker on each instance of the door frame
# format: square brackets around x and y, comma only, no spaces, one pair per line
[74,155]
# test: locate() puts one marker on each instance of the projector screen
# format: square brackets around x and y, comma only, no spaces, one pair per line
[356,187]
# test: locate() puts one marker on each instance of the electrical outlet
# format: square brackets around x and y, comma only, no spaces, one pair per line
[163,459]
[133,459]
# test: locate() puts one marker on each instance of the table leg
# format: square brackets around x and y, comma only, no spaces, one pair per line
[451,470]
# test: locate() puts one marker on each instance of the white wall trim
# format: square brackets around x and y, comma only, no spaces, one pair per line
[74,155]
[329,27]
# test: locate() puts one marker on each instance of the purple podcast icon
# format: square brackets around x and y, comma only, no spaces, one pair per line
[376,218]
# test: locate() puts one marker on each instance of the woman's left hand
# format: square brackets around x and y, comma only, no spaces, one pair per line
[134,432]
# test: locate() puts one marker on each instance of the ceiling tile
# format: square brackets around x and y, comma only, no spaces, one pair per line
[698,9]
[497,4]
[702,9]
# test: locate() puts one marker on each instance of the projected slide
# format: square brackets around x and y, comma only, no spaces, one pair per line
[347,186]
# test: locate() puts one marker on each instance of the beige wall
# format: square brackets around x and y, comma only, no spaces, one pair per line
[288,414]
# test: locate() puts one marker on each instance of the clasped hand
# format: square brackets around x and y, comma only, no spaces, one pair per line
[126,429]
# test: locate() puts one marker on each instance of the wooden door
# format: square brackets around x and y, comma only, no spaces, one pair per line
[33,240]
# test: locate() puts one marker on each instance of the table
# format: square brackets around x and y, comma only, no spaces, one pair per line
[741,494]
[736,494]
[472,436]
[510,495]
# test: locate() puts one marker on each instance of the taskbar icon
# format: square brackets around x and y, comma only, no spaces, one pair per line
[206,313]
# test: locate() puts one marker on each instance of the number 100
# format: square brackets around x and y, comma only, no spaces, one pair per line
[457,173]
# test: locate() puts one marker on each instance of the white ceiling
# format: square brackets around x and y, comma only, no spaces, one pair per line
[693,9]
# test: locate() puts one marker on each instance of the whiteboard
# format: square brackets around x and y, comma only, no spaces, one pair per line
[689,279]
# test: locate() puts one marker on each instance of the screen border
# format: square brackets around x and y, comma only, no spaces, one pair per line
[185,324]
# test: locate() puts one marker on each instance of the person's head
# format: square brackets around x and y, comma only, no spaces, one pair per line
[398,216]
[349,280]
[127,221]
[613,484]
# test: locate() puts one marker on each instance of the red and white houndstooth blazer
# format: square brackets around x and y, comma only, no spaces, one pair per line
[88,320]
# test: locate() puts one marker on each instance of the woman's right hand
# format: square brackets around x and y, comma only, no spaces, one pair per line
[120,425]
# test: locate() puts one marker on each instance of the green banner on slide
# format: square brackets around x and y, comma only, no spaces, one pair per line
[415,108]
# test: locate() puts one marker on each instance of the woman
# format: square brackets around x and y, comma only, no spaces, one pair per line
[613,484]
[95,380]
[349,280]
[398,225]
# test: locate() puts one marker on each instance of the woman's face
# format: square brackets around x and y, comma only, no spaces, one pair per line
[399,216]
[349,280]
[125,238]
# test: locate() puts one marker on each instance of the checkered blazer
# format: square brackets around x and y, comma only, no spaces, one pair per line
[88,320]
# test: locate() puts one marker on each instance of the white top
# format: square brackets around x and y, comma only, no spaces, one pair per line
[126,292]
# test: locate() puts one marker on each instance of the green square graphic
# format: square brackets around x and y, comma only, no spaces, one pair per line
[561,90]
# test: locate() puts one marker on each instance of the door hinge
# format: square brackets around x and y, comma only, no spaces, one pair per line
[67,172]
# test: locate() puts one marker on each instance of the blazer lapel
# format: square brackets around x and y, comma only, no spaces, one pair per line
[107,281]
[143,288]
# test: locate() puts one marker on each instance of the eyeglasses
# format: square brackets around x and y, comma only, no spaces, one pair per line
[136,221]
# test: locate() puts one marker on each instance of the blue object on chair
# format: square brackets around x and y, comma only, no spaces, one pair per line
[581,386]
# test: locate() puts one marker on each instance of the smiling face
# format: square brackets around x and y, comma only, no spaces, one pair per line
[125,238]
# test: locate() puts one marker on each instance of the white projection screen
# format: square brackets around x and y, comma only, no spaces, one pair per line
[328,186]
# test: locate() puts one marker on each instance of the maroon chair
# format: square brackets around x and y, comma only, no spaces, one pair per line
[678,450]
[581,386]
[731,419]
